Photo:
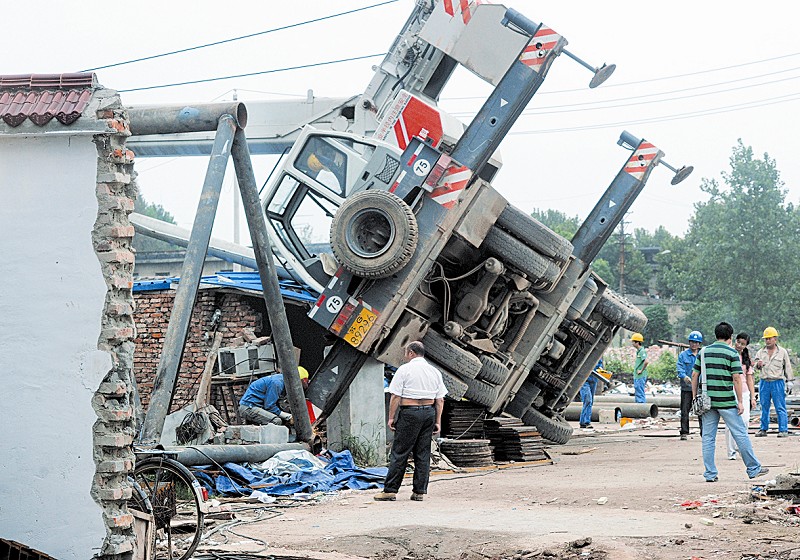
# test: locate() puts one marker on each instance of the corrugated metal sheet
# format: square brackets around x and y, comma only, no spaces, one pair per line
[43,97]
[248,281]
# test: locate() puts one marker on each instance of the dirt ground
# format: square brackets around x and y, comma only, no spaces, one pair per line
[610,494]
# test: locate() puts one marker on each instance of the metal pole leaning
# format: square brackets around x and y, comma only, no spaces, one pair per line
[175,339]
[276,312]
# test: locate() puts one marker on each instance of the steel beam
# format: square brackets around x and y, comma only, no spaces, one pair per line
[281,335]
[178,329]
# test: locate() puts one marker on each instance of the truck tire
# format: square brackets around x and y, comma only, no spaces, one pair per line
[442,351]
[374,234]
[554,429]
[620,311]
[534,233]
[456,389]
[515,253]
[493,371]
[481,392]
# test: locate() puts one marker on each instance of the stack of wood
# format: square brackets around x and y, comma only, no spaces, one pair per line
[463,420]
[511,440]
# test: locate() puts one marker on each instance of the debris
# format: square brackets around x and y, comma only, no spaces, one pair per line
[601,501]
[706,521]
[579,451]
[687,525]
[581,543]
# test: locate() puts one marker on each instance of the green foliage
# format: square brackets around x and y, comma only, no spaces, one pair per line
[559,222]
[658,325]
[663,368]
[618,365]
[740,250]
[144,244]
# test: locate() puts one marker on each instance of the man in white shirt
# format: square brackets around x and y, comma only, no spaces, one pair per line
[415,414]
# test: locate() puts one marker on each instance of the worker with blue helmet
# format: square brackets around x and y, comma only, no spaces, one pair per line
[684,366]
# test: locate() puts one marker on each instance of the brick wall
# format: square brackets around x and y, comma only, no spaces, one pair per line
[152,316]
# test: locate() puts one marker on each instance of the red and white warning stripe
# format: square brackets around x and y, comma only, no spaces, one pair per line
[542,43]
[453,181]
[462,7]
[641,160]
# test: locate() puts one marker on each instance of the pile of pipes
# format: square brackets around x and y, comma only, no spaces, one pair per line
[624,406]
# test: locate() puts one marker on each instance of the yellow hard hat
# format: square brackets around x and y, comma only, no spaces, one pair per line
[770,332]
[302,372]
[637,337]
[314,164]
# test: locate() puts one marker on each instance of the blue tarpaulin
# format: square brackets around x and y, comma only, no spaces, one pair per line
[294,472]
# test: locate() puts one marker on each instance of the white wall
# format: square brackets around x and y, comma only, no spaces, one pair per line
[51,302]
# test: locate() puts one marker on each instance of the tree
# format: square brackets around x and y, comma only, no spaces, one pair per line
[739,259]
[144,244]
[658,325]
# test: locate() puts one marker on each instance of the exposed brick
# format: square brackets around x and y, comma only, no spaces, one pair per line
[115,415]
[122,521]
[122,231]
[121,282]
[114,466]
[117,333]
[114,440]
[113,388]
[116,256]
[115,494]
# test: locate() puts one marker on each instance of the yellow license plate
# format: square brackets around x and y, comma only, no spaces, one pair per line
[360,327]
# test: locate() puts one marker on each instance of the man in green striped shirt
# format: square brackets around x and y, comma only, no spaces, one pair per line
[719,364]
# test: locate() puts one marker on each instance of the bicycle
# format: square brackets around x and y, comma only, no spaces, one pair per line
[167,490]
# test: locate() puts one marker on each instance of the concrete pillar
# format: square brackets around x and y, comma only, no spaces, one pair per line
[358,423]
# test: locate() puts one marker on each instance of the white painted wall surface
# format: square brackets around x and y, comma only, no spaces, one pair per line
[51,302]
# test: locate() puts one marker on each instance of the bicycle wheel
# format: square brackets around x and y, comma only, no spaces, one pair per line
[175,497]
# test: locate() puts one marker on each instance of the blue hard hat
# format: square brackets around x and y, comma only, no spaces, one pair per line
[695,336]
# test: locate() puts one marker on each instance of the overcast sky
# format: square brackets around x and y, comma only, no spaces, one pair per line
[692,77]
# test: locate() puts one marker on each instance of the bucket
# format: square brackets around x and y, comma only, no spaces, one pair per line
[624,420]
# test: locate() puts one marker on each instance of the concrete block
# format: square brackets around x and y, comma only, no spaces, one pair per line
[272,433]
[606,416]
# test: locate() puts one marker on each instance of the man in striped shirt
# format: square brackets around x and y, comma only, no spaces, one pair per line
[719,364]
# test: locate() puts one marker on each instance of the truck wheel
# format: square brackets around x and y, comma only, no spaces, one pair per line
[555,429]
[534,233]
[515,253]
[620,311]
[453,357]
[456,389]
[374,234]
[481,392]
[493,371]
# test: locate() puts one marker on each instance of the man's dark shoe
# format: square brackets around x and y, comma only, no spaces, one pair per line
[684,437]
[762,472]
[583,425]
[715,479]
[417,497]
[783,434]
[385,497]
[761,433]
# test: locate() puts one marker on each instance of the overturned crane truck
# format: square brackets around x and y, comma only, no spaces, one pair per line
[424,247]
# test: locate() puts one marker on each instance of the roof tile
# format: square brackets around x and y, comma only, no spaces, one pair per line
[41,97]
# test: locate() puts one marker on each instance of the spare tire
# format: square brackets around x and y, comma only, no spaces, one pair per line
[456,389]
[493,371]
[374,234]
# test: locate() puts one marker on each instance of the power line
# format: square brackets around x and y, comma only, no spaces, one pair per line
[679,116]
[637,82]
[249,74]
[248,36]
[546,109]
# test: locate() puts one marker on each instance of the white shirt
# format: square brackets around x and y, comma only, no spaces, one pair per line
[418,379]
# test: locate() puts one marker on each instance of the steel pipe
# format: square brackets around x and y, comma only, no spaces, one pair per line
[666,401]
[795,421]
[631,410]
[196,249]
[276,312]
[208,454]
[173,119]
[573,412]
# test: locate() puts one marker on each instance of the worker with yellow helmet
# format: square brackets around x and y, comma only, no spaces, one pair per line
[776,379]
[259,404]
[639,367]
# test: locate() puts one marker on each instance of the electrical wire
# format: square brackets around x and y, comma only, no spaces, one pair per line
[249,74]
[680,116]
[232,39]
[649,80]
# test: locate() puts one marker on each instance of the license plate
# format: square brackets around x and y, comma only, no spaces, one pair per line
[360,327]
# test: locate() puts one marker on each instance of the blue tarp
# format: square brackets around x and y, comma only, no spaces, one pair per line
[339,472]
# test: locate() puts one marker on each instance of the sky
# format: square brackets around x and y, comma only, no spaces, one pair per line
[692,78]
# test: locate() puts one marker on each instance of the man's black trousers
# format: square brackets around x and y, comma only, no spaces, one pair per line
[413,432]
